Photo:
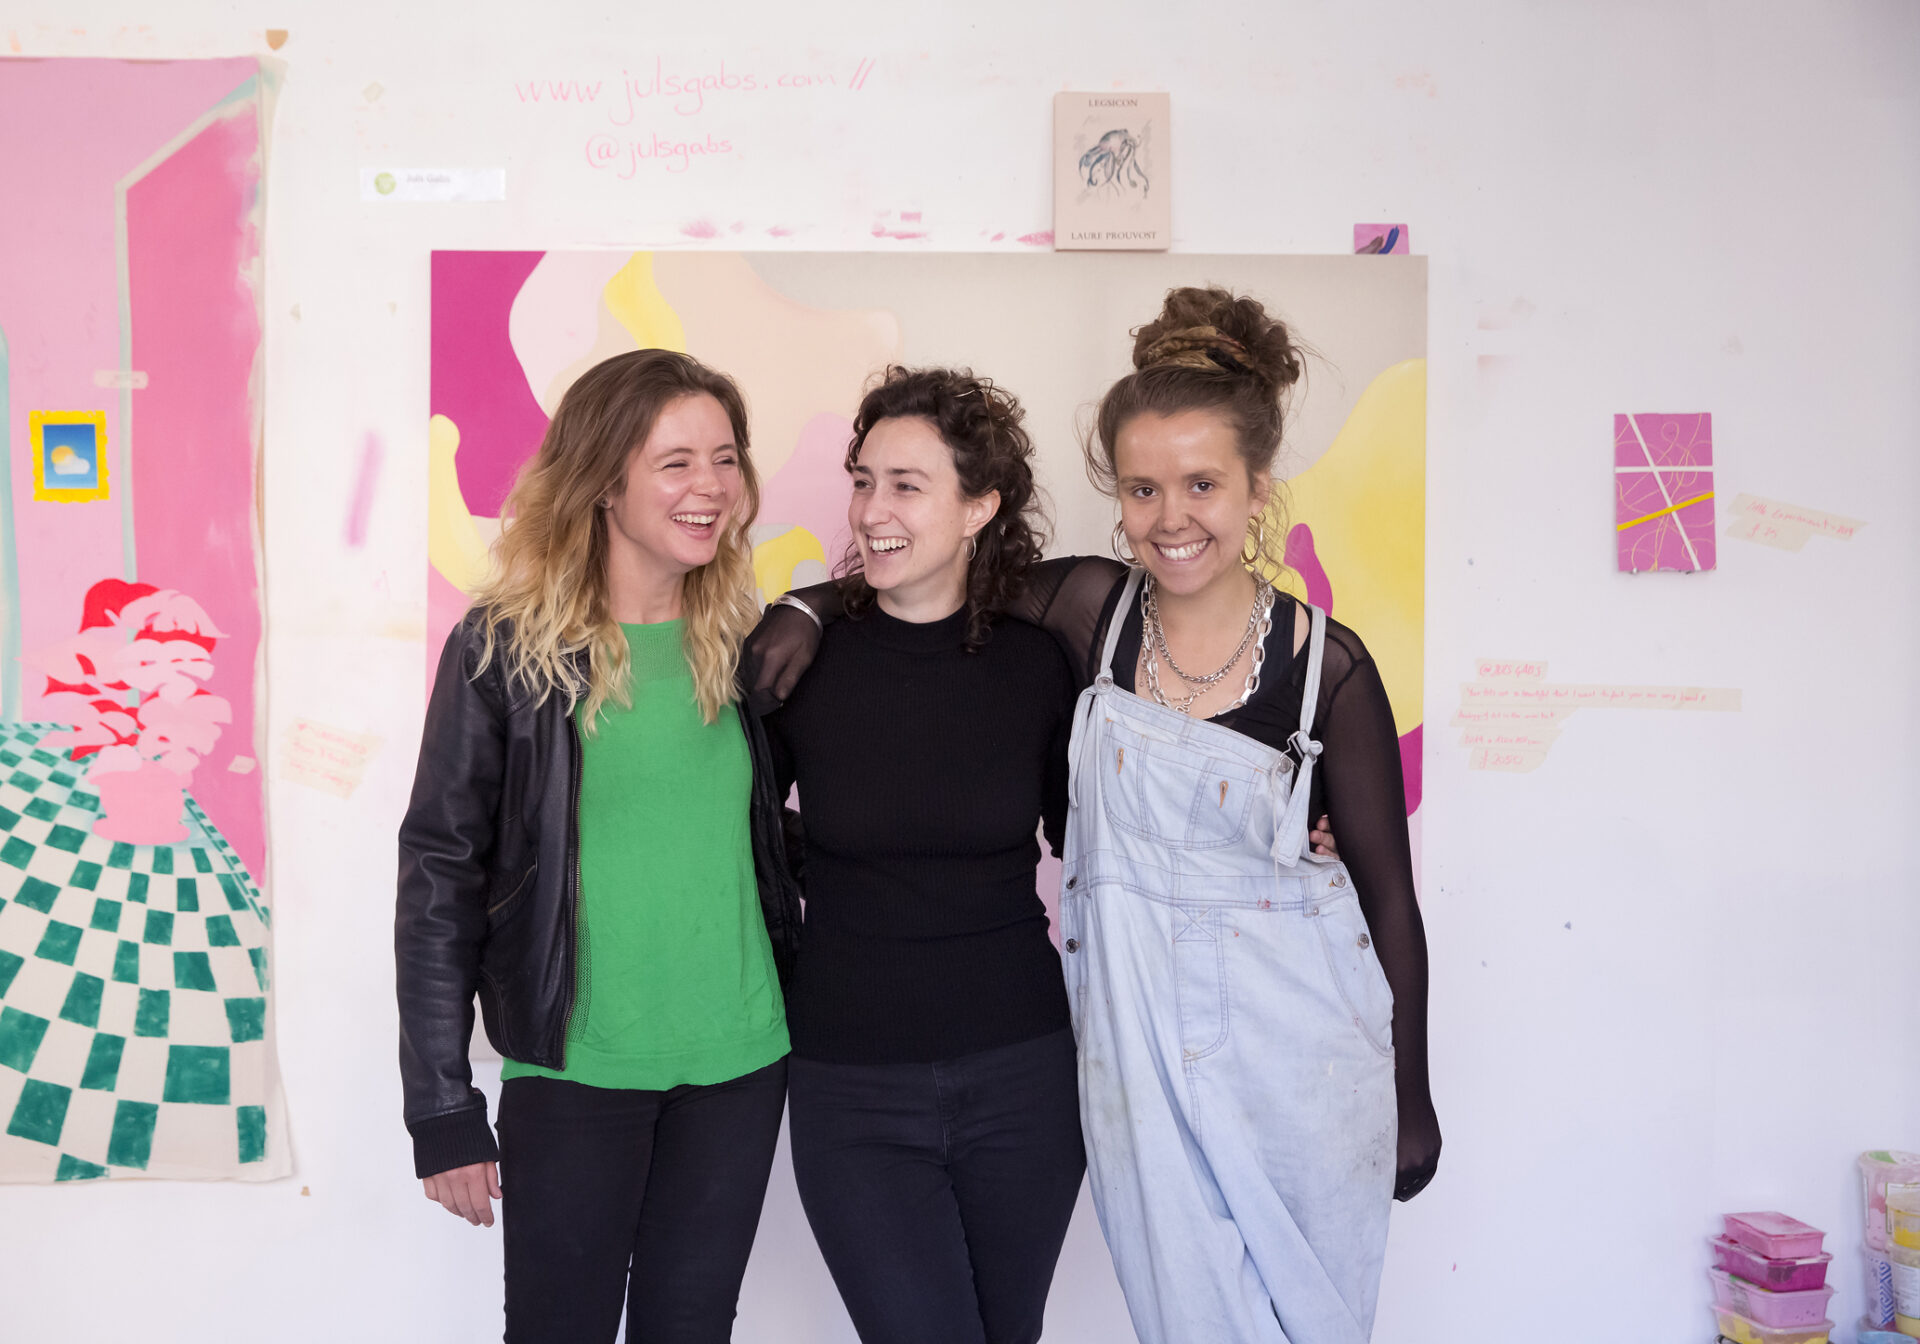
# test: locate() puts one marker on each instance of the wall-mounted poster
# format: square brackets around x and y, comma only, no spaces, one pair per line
[135,1036]
[1112,172]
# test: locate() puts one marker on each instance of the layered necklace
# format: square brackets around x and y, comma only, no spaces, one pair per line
[1154,645]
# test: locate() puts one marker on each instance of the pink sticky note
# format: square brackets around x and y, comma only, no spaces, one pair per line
[1663,491]
[1380,240]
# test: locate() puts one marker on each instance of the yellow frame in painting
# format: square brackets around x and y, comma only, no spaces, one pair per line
[37,421]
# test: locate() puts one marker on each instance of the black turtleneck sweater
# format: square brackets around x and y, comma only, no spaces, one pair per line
[924,771]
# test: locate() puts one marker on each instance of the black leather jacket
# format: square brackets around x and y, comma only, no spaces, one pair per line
[489,889]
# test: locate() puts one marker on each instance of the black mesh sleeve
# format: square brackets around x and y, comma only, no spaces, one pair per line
[1366,796]
[1068,598]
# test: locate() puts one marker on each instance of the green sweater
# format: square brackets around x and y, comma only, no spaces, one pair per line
[675,981]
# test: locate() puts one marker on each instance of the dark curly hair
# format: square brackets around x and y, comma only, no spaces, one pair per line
[981,425]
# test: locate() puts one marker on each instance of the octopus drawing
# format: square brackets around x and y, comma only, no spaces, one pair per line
[1112,166]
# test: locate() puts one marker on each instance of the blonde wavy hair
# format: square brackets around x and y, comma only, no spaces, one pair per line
[545,608]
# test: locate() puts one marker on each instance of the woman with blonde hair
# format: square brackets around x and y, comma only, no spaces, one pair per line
[593,846]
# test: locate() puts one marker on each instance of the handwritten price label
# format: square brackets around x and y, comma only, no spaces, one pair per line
[1785,527]
[329,759]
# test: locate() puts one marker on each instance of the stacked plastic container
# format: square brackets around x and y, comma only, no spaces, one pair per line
[1770,1281]
[1890,1183]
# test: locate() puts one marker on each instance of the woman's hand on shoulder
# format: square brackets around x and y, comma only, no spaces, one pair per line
[778,652]
[466,1192]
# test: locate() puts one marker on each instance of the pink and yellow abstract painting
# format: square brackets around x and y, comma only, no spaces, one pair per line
[803,334]
[1663,492]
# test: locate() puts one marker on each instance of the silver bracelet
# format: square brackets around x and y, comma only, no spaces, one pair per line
[789,600]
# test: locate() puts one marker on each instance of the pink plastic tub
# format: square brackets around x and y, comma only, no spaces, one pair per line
[1779,1276]
[1743,1331]
[1757,1304]
[1774,1235]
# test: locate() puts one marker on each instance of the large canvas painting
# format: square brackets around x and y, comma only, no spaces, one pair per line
[803,333]
[134,947]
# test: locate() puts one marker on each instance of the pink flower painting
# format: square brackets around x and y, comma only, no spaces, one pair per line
[130,683]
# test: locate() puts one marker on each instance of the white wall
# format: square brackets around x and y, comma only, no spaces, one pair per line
[1674,970]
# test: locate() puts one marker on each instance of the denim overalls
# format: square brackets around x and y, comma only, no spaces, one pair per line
[1236,1060]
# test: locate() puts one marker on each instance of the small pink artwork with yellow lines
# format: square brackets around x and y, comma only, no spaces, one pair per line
[1663,491]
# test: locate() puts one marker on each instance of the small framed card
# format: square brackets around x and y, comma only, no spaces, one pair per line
[1111,172]
[69,455]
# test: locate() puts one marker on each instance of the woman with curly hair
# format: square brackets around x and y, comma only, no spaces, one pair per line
[934,1112]
[1250,1005]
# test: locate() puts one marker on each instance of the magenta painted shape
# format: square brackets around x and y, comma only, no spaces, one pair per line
[1663,492]
[192,252]
[476,379]
[1304,561]
[365,482]
[1411,771]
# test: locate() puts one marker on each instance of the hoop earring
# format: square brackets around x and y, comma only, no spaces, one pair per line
[1119,540]
[1257,539]
[973,548]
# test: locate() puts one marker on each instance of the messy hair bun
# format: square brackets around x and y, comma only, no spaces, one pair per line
[1209,350]
[1212,330]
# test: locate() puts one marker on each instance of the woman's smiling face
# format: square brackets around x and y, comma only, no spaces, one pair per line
[910,518]
[681,487]
[1186,501]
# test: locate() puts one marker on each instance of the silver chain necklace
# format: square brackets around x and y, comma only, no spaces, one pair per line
[1259,622]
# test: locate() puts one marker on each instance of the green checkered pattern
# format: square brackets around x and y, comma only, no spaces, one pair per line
[133,990]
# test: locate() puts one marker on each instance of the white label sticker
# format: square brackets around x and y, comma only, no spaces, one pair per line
[1906,1288]
[433,184]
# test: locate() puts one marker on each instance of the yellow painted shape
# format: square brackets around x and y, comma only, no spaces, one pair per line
[46,486]
[1366,500]
[1662,513]
[454,544]
[638,305]
[774,560]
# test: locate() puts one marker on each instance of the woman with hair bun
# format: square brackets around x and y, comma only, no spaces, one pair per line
[1251,1014]
[1250,1008]
[934,1112]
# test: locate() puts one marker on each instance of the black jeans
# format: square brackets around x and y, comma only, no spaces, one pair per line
[647,1198]
[940,1193]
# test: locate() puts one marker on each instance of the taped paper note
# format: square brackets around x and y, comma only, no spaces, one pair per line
[1785,526]
[1511,715]
[331,760]
[433,184]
